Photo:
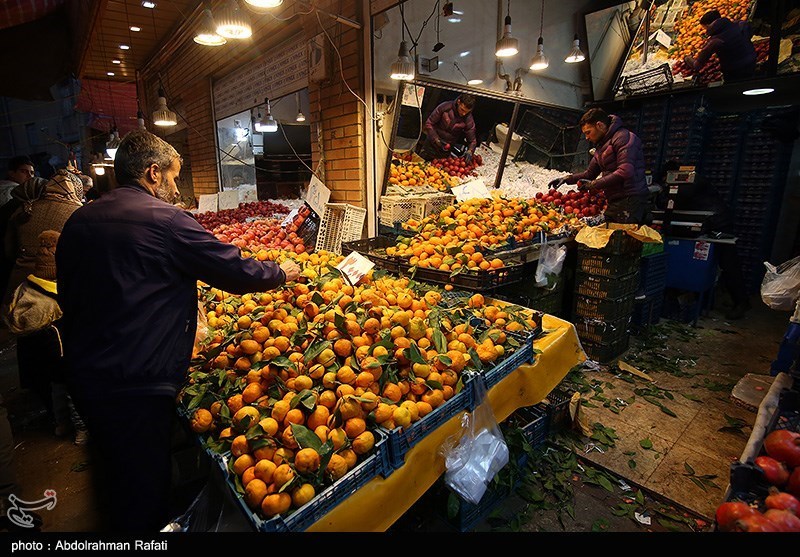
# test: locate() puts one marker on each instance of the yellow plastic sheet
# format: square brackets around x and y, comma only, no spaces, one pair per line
[598,236]
[379,503]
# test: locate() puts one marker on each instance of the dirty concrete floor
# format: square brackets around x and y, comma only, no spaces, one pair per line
[713,357]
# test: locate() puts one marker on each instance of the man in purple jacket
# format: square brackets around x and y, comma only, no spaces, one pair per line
[618,160]
[127,266]
[731,42]
[449,124]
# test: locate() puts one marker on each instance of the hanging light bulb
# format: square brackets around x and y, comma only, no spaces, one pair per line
[300,116]
[507,45]
[267,123]
[162,115]
[113,143]
[140,119]
[264,3]
[403,67]
[232,22]
[99,169]
[207,31]
[539,60]
[576,54]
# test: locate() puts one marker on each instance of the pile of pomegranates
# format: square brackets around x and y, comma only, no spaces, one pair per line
[780,509]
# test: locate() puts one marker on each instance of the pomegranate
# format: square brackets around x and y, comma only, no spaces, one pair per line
[784,520]
[793,485]
[782,501]
[783,445]
[729,513]
[775,471]
[755,522]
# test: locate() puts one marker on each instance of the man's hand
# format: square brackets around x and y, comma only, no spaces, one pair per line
[468,157]
[557,183]
[689,61]
[585,184]
[291,269]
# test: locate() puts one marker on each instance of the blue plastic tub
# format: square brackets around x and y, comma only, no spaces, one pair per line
[690,266]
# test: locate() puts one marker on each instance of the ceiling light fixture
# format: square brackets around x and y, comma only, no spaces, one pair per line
[99,169]
[162,115]
[116,61]
[267,123]
[207,31]
[124,47]
[576,54]
[474,82]
[232,23]
[264,3]
[539,60]
[507,45]
[148,4]
[110,73]
[759,91]
[455,17]
[140,119]
[403,67]
[134,28]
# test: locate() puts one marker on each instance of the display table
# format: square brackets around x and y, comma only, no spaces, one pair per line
[379,503]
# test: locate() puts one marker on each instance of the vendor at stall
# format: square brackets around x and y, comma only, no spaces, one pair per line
[448,126]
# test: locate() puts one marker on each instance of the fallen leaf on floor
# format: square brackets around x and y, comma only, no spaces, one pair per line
[79,466]
[632,370]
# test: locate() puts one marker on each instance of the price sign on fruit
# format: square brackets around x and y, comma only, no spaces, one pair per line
[228,199]
[208,202]
[355,267]
[317,195]
[471,190]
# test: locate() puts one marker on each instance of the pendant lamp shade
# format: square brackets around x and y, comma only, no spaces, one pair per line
[507,45]
[207,31]
[232,23]
[403,67]
[576,54]
[162,115]
[539,60]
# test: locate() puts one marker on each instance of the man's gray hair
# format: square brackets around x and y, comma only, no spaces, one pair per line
[138,150]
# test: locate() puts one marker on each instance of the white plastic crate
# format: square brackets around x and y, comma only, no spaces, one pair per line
[396,209]
[435,203]
[341,222]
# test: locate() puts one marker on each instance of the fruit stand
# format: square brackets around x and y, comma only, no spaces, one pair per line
[322,401]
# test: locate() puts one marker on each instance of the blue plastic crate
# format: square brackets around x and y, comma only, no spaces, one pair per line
[522,355]
[401,440]
[469,514]
[533,423]
[556,407]
[647,312]
[686,268]
[376,464]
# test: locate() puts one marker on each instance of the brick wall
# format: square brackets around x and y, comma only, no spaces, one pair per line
[187,70]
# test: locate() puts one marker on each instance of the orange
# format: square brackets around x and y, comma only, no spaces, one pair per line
[318,417]
[235,403]
[254,493]
[282,475]
[303,495]
[280,409]
[242,463]
[251,393]
[275,504]
[287,438]
[306,461]
[294,416]
[201,420]
[337,467]
[355,427]
[363,443]
[239,446]
[264,470]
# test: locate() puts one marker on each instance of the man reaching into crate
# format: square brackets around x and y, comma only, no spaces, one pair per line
[616,168]
[448,126]
[730,41]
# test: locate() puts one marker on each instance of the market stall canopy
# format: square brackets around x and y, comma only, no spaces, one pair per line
[108,103]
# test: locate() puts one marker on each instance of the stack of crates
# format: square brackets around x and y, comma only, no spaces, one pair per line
[606,282]
[650,296]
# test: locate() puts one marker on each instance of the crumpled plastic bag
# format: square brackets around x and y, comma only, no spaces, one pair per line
[476,454]
[780,287]
[551,261]
[598,236]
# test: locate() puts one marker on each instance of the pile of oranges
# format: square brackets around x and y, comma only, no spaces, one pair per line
[410,174]
[295,381]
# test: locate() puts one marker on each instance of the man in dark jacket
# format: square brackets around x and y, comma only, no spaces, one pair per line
[127,266]
[619,161]
[449,124]
[731,42]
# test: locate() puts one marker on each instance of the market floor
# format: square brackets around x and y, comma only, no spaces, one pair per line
[659,460]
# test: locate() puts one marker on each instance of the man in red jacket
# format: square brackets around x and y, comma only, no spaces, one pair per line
[449,124]
[616,167]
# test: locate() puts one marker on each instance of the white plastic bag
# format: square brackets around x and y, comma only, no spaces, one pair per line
[551,260]
[780,287]
[475,455]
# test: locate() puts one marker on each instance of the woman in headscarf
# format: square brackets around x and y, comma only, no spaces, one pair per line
[63,194]
[25,193]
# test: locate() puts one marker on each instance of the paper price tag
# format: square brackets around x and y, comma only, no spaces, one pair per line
[228,200]
[207,202]
[355,267]
[701,250]
[249,195]
[290,217]
[317,196]
[471,190]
